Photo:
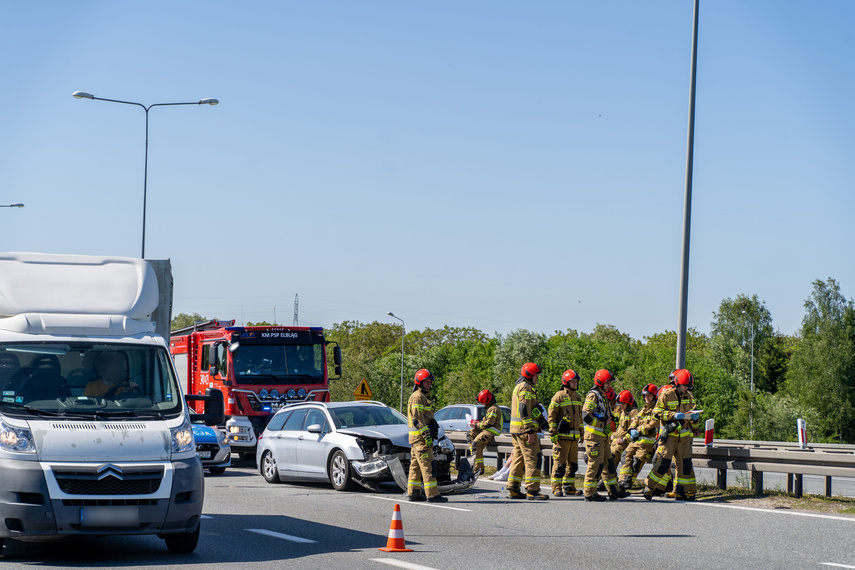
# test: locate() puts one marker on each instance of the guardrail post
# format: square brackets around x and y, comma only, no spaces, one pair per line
[798,486]
[721,478]
[789,482]
[757,478]
[828,485]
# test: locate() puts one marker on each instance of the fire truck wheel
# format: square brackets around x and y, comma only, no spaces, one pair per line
[268,468]
[340,471]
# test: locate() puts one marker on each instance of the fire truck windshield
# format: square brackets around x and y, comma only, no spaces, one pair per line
[279,364]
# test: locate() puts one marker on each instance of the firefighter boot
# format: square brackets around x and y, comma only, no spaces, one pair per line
[514,493]
[536,496]
[558,493]
[437,499]
[648,493]
[615,493]
[595,498]
[416,496]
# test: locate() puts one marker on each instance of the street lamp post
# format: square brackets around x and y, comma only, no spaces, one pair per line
[15,205]
[84,95]
[402,357]
[751,410]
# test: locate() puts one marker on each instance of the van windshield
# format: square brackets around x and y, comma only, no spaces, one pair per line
[87,379]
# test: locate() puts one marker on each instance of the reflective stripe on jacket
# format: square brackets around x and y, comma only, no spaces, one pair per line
[523,402]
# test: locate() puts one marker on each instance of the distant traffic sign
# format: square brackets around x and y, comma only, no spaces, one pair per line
[362,392]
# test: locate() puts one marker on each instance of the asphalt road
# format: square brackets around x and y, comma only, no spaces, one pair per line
[252,524]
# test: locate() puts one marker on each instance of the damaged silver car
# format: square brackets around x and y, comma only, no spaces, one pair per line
[346,443]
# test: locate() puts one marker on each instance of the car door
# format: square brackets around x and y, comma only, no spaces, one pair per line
[456,419]
[286,442]
[311,448]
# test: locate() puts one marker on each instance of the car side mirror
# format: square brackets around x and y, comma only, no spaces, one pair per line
[314,428]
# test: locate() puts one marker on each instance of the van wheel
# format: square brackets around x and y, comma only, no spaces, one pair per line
[268,468]
[183,543]
[340,471]
[217,470]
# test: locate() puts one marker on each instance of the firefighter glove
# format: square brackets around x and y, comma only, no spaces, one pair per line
[679,416]
[428,441]
[554,438]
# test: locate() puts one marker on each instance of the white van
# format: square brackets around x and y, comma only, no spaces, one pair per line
[95,436]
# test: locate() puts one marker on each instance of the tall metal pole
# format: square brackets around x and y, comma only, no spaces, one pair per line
[687,209]
[751,417]
[403,331]
[209,101]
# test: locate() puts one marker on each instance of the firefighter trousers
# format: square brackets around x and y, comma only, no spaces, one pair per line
[637,454]
[679,448]
[479,442]
[600,464]
[421,471]
[525,461]
[564,475]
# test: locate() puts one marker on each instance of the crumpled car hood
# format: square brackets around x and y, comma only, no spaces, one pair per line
[398,434]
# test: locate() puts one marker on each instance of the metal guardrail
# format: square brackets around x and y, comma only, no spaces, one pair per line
[756,457]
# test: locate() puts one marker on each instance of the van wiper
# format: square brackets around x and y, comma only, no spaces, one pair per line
[129,414]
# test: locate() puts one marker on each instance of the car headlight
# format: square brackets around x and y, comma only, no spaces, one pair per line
[224,437]
[16,439]
[446,445]
[182,438]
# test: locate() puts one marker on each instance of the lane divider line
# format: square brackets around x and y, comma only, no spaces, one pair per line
[292,538]
[410,565]
[835,564]
[421,504]
[775,511]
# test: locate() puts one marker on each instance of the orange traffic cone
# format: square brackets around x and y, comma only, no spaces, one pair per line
[396,534]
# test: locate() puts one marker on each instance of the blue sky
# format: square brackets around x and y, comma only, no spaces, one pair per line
[500,165]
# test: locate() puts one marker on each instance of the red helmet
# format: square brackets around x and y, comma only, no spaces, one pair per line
[529,369]
[683,377]
[625,397]
[602,376]
[569,376]
[651,389]
[484,397]
[422,375]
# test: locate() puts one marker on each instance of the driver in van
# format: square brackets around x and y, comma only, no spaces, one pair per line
[108,366]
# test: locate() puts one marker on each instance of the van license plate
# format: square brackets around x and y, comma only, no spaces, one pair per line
[109,516]
[204,454]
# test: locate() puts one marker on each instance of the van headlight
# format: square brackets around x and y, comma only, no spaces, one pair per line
[182,438]
[16,439]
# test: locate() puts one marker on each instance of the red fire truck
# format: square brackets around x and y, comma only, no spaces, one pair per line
[259,369]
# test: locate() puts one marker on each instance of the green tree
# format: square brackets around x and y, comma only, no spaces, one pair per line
[821,374]
[731,333]
[183,320]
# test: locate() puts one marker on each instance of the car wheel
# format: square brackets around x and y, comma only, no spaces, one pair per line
[217,470]
[268,468]
[340,471]
[184,542]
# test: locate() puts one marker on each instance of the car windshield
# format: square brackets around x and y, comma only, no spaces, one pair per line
[279,364]
[87,379]
[365,416]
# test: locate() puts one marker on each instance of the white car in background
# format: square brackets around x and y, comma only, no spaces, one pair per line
[346,443]
[457,416]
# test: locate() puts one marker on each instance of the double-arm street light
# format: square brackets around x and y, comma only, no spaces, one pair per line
[85,95]
[15,205]
[402,357]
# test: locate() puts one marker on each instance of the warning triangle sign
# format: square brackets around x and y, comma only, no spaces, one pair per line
[362,392]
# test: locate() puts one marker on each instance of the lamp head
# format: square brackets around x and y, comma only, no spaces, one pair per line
[82,95]
[209,101]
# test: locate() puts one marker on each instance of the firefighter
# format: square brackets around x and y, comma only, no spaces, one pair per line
[526,418]
[565,420]
[627,410]
[597,417]
[484,432]
[679,423]
[423,431]
[642,434]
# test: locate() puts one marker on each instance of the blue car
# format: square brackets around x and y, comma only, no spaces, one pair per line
[212,447]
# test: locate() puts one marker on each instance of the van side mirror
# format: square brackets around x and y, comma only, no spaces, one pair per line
[215,407]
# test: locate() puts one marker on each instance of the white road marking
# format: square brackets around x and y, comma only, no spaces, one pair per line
[836,565]
[422,504]
[400,564]
[776,511]
[282,536]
